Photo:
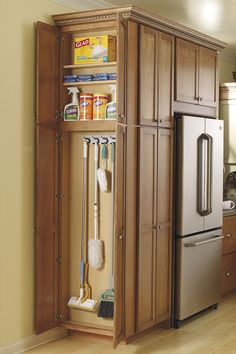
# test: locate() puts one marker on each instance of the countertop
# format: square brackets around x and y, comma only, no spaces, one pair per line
[229,212]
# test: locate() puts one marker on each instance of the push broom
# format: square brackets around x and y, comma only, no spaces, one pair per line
[83,302]
[95,245]
[106,308]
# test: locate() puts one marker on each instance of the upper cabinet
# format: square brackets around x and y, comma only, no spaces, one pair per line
[196,79]
[156,78]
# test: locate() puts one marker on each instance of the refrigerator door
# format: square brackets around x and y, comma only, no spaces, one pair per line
[198,273]
[189,129]
[214,129]
[199,174]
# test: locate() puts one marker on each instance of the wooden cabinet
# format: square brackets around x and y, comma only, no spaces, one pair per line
[227,108]
[228,277]
[143,130]
[156,77]
[154,242]
[196,78]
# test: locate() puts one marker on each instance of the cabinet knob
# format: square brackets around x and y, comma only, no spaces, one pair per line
[161,121]
[120,237]
[229,235]
[200,98]
[228,274]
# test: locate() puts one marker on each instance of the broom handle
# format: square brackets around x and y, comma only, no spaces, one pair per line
[113,212]
[95,191]
[84,196]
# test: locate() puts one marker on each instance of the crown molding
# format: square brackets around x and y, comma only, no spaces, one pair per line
[84,5]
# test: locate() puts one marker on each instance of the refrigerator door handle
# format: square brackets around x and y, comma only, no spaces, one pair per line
[204,175]
[195,244]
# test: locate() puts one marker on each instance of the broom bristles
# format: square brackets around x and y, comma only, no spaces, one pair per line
[106,309]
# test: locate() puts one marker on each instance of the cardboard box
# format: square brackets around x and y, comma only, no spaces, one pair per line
[94,50]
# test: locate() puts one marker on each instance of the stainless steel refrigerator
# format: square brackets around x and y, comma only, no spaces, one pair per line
[199,195]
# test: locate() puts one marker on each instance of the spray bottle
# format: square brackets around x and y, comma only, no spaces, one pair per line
[71,110]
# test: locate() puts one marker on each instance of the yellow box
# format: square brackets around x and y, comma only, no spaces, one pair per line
[94,50]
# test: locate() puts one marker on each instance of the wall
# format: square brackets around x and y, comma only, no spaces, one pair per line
[226,67]
[17,86]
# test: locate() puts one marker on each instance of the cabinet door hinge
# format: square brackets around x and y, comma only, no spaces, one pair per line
[59,138]
[59,115]
[59,37]
[59,259]
[59,316]
[59,195]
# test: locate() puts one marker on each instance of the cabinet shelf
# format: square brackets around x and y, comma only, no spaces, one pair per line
[83,66]
[84,83]
[87,328]
[86,126]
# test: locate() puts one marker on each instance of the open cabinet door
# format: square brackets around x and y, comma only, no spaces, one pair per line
[46,209]
[120,190]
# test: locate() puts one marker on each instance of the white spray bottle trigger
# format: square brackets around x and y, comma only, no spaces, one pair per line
[74,91]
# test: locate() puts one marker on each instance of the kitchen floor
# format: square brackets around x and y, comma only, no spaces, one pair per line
[214,332]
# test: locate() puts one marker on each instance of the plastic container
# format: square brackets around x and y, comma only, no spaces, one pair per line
[111,110]
[99,105]
[86,106]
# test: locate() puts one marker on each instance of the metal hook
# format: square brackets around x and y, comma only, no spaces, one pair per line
[106,140]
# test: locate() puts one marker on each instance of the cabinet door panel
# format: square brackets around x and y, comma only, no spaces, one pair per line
[186,89]
[147,76]
[229,233]
[46,230]
[165,79]
[208,68]
[164,222]
[147,229]
[228,273]
[47,79]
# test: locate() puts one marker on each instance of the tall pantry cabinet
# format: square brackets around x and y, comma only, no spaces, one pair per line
[144,91]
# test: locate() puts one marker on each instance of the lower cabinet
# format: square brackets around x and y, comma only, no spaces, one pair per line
[228,276]
[154,233]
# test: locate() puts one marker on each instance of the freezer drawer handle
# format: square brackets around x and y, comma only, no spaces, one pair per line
[195,244]
[204,175]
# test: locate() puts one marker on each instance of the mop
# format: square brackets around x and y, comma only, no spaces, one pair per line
[101,172]
[95,246]
[83,302]
[106,308]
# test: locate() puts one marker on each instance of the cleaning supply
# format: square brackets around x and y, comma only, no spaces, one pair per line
[86,106]
[99,105]
[84,301]
[71,110]
[94,49]
[95,246]
[111,110]
[106,308]
[101,172]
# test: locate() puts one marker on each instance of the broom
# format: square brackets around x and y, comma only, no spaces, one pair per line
[95,246]
[83,302]
[106,308]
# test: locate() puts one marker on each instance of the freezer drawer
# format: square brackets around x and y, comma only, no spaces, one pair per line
[198,273]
